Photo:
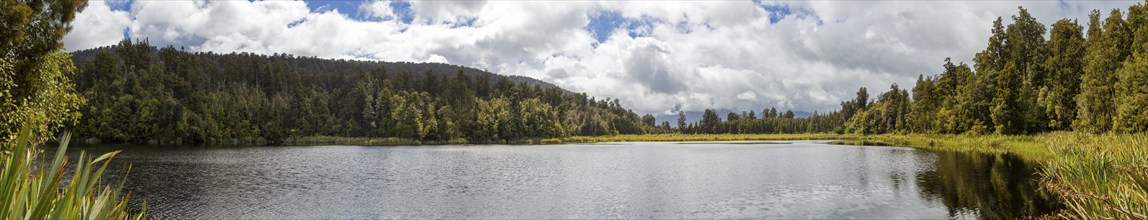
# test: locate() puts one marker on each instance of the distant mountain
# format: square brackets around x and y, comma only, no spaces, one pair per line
[696,116]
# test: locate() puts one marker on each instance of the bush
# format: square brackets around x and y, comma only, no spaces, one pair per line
[28,192]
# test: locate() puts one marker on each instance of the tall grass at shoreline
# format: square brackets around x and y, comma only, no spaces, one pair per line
[1097,176]
[29,190]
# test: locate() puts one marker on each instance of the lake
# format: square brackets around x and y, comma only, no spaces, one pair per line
[792,179]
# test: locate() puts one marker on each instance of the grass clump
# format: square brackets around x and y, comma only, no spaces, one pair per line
[31,191]
[1098,176]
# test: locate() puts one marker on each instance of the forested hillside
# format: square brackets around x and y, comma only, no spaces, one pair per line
[138,93]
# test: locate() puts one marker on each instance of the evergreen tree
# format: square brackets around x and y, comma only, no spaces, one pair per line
[1132,95]
[1065,66]
[710,122]
[926,102]
[1096,102]
[681,120]
[1006,114]
[1025,40]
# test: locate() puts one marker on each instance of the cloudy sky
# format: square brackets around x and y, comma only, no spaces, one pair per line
[653,55]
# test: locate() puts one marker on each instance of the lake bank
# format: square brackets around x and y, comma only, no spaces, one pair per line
[391,141]
[649,180]
[1097,176]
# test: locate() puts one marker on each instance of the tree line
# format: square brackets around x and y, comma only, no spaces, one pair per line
[770,121]
[139,93]
[1090,80]
[1093,80]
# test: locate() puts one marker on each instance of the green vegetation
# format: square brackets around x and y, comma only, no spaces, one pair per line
[1074,104]
[29,191]
[702,137]
[141,94]
[1022,84]
[1101,176]
[34,72]
[37,99]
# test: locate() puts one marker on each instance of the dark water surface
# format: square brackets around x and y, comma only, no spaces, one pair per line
[615,180]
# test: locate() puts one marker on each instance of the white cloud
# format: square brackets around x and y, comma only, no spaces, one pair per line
[724,54]
[97,25]
[377,9]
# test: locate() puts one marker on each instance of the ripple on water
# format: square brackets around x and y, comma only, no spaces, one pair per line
[623,180]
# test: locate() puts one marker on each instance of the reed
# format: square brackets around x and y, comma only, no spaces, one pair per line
[1098,176]
[29,190]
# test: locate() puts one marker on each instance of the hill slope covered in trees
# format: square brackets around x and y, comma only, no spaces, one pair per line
[138,93]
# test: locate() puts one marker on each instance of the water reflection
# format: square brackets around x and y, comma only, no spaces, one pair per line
[631,180]
[985,186]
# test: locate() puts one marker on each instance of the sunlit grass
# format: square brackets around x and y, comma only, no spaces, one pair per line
[1024,146]
[31,191]
[700,137]
[1097,176]
[1100,176]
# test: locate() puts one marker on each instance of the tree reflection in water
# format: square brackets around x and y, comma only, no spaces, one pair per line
[989,186]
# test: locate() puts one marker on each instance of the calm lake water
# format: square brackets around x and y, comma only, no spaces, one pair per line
[804,179]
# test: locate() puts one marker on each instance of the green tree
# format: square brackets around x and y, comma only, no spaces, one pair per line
[649,120]
[1096,102]
[732,116]
[1132,95]
[1028,51]
[34,74]
[681,120]
[1006,114]
[926,102]
[1065,66]
[710,122]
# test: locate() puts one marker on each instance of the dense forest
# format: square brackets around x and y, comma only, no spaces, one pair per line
[1093,80]
[139,93]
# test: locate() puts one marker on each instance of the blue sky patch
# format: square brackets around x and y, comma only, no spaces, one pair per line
[780,11]
[402,11]
[125,5]
[604,23]
[348,8]
[776,12]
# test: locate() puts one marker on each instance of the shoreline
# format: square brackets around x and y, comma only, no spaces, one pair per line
[1094,175]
